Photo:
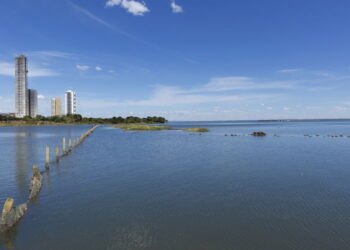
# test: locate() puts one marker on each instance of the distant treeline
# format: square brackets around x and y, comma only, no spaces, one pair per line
[76,118]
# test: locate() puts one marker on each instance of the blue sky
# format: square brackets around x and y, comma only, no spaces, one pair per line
[183,59]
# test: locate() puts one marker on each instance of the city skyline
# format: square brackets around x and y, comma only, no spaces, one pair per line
[276,62]
[26,100]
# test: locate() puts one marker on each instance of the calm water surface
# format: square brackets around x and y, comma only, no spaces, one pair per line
[179,190]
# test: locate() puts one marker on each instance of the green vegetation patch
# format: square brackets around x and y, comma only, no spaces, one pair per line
[260,133]
[141,127]
[145,127]
[196,129]
[75,119]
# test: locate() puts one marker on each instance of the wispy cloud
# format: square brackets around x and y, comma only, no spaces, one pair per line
[50,53]
[98,68]
[41,97]
[175,8]
[99,20]
[134,7]
[289,70]
[34,70]
[243,83]
[218,90]
[89,14]
[82,67]
[120,31]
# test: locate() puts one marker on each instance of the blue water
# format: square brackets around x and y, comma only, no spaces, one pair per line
[181,190]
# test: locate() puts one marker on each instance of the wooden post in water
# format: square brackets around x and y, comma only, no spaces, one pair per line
[7,206]
[64,145]
[57,154]
[70,144]
[47,158]
[36,171]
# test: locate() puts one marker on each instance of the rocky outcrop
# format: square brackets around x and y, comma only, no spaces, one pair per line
[11,214]
[258,134]
[35,183]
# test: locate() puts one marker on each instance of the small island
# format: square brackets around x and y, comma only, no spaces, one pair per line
[147,127]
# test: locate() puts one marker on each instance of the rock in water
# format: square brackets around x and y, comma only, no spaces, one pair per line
[258,134]
[11,214]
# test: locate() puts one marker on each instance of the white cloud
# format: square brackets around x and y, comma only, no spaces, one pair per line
[340,108]
[82,67]
[7,69]
[286,108]
[41,97]
[312,107]
[134,7]
[175,8]
[98,68]
[289,70]
[34,70]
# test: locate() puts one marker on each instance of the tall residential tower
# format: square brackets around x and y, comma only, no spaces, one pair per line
[70,102]
[21,86]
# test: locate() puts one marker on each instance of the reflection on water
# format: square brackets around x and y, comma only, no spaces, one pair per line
[134,236]
[7,239]
[23,147]
[21,159]
[27,153]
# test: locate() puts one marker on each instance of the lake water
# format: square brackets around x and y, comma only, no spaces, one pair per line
[179,190]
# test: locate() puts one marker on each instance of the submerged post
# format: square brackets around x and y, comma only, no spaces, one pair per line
[64,145]
[35,183]
[47,158]
[57,154]
[11,214]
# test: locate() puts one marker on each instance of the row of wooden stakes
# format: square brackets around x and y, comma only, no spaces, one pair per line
[11,214]
[72,143]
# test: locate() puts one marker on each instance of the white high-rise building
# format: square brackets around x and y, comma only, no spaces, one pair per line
[21,72]
[32,103]
[70,102]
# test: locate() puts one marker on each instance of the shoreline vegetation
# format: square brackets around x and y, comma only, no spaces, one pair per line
[146,127]
[128,123]
[75,119]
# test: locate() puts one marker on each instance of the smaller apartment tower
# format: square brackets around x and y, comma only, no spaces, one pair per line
[56,105]
[70,102]
[32,103]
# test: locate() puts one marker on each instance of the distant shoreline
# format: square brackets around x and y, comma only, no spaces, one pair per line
[274,120]
[305,120]
[48,123]
[24,124]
